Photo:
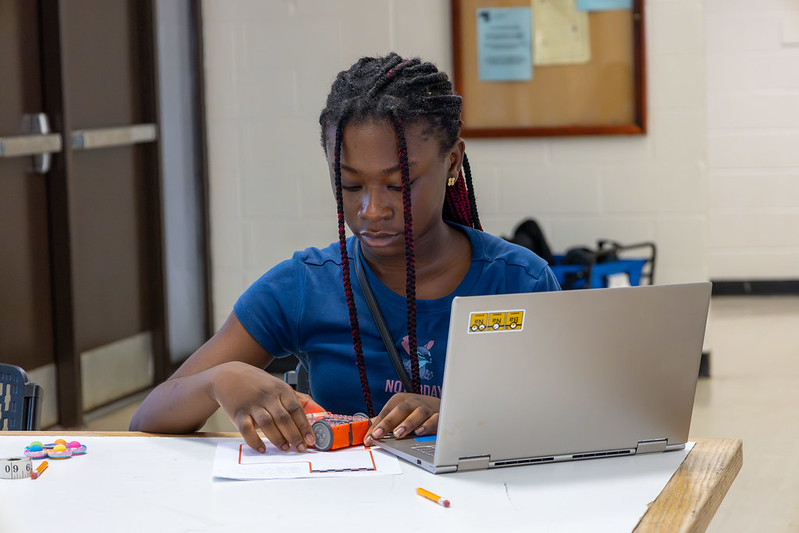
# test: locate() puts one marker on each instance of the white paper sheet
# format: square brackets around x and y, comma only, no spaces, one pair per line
[236,460]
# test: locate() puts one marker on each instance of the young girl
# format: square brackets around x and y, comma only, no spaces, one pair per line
[390,131]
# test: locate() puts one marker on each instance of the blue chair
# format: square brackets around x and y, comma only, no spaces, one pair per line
[20,400]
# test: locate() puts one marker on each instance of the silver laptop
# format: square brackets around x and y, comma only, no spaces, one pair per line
[558,376]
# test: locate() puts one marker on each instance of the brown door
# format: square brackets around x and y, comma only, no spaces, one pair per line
[80,271]
[110,116]
[26,331]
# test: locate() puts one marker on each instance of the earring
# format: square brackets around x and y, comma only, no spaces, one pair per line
[451,180]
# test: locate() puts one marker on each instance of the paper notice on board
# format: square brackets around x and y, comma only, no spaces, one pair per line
[560,32]
[504,44]
[603,5]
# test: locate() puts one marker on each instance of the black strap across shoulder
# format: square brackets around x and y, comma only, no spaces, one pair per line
[391,348]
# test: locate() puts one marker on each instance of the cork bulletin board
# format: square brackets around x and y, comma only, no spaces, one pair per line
[592,84]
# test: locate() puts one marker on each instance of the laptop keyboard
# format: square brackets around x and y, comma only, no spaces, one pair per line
[429,449]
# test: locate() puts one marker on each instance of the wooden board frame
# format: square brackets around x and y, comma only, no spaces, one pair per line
[606,96]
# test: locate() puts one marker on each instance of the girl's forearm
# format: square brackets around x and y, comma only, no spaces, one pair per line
[179,405]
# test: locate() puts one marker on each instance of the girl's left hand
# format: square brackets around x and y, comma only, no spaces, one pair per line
[403,414]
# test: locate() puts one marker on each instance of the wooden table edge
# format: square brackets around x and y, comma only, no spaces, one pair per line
[692,496]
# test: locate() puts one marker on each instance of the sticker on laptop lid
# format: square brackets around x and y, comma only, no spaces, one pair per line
[496,321]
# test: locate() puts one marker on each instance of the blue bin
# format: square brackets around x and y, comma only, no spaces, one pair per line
[596,276]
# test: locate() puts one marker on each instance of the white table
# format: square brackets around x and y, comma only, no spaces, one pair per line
[138,482]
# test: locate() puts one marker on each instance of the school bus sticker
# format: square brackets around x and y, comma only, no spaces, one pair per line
[515,320]
[496,321]
[478,322]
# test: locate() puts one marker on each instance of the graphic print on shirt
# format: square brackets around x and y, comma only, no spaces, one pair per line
[425,359]
[425,370]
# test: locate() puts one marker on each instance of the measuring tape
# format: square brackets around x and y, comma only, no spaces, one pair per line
[15,468]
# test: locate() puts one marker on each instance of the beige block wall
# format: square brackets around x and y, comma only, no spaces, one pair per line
[268,69]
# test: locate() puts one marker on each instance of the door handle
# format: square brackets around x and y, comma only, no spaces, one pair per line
[108,137]
[21,145]
[38,142]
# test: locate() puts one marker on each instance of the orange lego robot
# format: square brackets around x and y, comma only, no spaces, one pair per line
[338,431]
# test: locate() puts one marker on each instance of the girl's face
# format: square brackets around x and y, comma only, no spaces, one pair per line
[372,187]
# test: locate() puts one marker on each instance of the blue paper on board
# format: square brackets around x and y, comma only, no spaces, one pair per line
[603,5]
[505,44]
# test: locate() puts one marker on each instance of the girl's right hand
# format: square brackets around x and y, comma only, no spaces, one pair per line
[253,399]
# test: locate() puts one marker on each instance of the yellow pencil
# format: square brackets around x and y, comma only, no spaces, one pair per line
[38,472]
[432,497]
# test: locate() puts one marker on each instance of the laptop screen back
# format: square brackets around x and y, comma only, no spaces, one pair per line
[546,374]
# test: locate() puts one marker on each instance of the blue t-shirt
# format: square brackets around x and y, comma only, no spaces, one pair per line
[299,308]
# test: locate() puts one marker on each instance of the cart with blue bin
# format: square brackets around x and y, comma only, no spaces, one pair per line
[583,268]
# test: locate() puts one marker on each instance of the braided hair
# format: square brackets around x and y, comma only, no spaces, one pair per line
[402,91]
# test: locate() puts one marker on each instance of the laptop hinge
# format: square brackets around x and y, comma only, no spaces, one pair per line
[652,446]
[479,462]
